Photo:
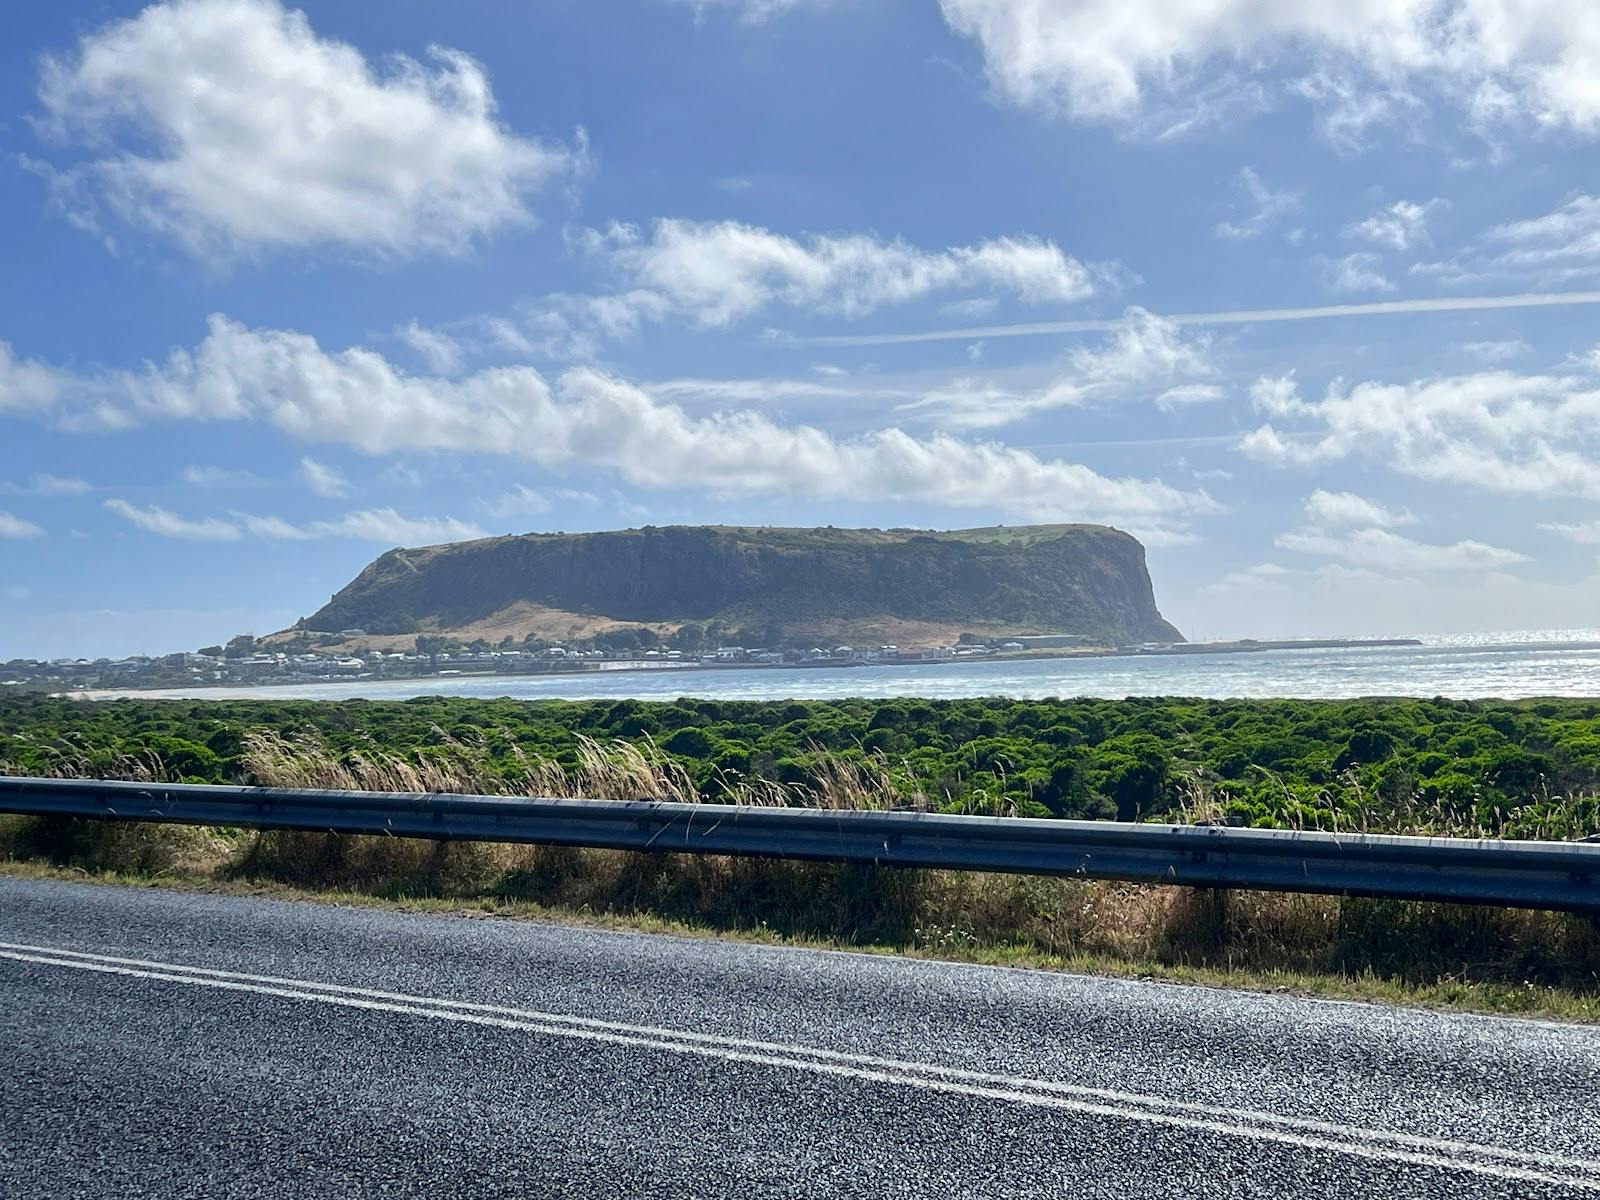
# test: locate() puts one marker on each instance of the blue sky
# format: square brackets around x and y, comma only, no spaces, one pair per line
[285,287]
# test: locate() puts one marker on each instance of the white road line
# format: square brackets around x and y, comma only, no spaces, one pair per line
[1339,1139]
[1143,1100]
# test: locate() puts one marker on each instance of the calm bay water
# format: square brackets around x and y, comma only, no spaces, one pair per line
[1509,665]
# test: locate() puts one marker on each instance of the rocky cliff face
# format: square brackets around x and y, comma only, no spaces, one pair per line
[1086,579]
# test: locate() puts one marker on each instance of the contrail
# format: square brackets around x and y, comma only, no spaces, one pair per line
[1234,317]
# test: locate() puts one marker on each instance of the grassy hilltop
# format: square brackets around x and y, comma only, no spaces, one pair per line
[770,585]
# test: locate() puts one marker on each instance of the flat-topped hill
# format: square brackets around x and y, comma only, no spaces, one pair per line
[906,585]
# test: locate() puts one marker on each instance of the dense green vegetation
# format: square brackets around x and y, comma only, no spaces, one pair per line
[1515,768]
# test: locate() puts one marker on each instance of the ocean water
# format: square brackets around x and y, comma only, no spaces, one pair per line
[1471,666]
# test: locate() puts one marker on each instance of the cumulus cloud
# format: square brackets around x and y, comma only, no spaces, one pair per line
[717,272]
[231,126]
[439,352]
[324,480]
[382,525]
[1358,272]
[1390,553]
[595,421]
[1403,226]
[1355,533]
[25,385]
[1144,356]
[1360,60]
[1496,430]
[12,526]
[1339,510]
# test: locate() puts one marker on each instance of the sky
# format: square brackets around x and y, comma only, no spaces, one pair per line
[1303,296]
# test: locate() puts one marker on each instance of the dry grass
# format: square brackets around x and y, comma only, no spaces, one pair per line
[944,913]
[613,770]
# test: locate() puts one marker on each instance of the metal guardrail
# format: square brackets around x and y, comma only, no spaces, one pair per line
[1556,875]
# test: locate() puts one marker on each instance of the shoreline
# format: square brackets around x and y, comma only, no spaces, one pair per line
[1176,649]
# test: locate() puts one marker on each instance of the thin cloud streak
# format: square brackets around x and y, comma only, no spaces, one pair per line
[1235,317]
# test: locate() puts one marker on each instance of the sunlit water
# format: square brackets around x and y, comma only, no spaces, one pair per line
[1531,663]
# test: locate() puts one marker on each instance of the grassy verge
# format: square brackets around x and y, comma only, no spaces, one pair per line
[1445,956]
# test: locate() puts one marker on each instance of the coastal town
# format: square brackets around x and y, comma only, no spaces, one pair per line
[246,661]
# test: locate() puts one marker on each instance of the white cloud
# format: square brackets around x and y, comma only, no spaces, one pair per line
[1561,245]
[1186,395]
[1390,553]
[715,273]
[324,480]
[1555,249]
[1358,272]
[27,386]
[1268,208]
[1145,356]
[591,420]
[1354,534]
[1402,226]
[382,525]
[272,528]
[1341,510]
[169,524]
[1584,533]
[1495,430]
[48,485]
[1350,106]
[231,126]
[1497,60]
[765,390]
[12,526]
[439,352]
[390,528]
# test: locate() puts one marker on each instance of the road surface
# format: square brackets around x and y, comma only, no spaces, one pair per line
[160,1044]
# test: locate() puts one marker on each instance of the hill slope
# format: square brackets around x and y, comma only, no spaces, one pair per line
[907,585]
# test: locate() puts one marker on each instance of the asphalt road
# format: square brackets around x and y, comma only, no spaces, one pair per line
[158,1044]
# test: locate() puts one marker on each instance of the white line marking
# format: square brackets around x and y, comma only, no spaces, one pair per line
[1271,1127]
